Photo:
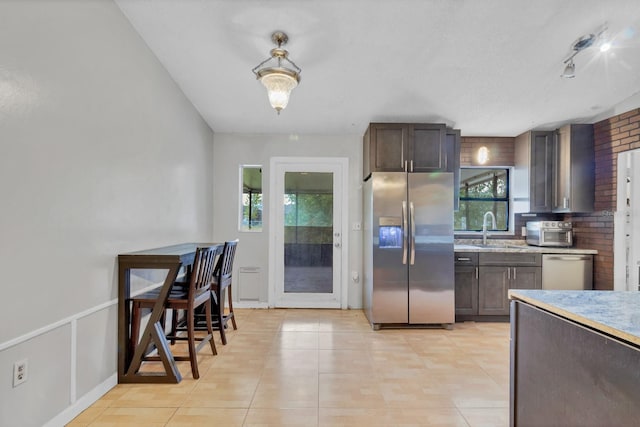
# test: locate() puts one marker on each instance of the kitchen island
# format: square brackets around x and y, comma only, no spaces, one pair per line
[575,358]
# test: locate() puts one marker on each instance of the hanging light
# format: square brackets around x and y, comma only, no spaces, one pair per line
[281,75]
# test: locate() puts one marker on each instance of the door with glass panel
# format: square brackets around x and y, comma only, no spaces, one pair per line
[307,236]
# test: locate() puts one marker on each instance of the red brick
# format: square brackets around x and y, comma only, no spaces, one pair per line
[629,113]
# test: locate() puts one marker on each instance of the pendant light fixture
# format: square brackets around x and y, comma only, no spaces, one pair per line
[278,73]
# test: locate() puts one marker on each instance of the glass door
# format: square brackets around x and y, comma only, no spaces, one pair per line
[308,232]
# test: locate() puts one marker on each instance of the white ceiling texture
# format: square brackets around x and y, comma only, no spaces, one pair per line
[487,67]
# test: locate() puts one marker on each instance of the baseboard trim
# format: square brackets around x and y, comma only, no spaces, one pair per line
[250,304]
[83,403]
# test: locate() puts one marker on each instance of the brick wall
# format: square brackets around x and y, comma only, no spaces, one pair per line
[612,136]
[500,150]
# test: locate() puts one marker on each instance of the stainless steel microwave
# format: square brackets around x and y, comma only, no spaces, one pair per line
[550,233]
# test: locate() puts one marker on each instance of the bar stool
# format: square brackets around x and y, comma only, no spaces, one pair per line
[220,285]
[222,279]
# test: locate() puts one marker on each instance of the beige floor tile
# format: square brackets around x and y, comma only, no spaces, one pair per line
[282,392]
[248,362]
[327,367]
[345,361]
[296,340]
[155,395]
[342,340]
[87,416]
[449,417]
[350,390]
[486,417]
[224,390]
[291,360]
[307,417]
[198,417]
[134,417]
[415,394]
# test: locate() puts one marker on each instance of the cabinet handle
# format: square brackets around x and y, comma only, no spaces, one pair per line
[514,273]
[464,259]
[508,273]
[411,165]
[412,219]
[405,232]
[476,273]
[404,165]
[565,202]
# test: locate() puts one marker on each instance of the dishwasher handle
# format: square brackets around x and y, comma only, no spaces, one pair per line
[566,257]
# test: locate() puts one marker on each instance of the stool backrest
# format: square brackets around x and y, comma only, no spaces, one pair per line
[203,271]
[224,267]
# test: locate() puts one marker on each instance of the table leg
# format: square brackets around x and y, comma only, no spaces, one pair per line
[124,320]
[154,333]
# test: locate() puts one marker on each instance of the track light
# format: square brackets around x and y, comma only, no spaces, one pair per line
[569,70]
[581,44]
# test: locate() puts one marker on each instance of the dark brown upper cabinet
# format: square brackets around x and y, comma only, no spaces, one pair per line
[532,184]
[554,170]
[407,147]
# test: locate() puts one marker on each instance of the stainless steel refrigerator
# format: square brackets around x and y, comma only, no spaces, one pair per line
[408,249]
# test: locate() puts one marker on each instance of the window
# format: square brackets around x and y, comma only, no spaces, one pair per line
[250,198]
[483,190]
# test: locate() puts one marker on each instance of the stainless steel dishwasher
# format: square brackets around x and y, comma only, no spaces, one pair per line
[567,272]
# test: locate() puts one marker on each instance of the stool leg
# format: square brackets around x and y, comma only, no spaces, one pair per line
[220,315]
[193,357]
[233,317]
[207,315]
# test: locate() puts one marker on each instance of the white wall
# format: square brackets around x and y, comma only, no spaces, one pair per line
[232,150]
[101,154]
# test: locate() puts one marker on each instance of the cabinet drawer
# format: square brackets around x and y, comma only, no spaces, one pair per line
[466,258]
[510,258]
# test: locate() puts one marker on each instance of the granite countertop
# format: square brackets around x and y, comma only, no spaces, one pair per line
[616,313]
[495,245]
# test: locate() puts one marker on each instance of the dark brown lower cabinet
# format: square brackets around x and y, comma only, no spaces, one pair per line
[483,280]
[466,284]
[466,290]
[566,374]
[494,283]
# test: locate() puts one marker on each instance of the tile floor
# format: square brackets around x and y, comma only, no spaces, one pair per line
[327,368]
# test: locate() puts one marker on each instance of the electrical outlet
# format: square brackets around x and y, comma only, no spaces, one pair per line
[19,372]
[357,226]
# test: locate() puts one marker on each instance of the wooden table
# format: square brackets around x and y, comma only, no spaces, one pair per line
[170,258]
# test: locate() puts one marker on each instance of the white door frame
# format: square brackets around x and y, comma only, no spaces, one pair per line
[275,245]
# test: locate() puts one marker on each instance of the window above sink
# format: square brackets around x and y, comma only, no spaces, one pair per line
[482,190]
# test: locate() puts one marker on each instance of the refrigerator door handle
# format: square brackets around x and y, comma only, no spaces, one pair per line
[413,233]
[404,232]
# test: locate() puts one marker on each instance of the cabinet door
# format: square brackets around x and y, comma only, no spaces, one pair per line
[466,281]
[573,169]
[493,284]
[389,147]
[526,278]
[453,163]
[428,148]
[541,172]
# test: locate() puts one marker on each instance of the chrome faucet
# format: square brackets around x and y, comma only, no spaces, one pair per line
[484,225]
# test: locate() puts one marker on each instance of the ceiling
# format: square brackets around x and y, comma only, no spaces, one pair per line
[489,68]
